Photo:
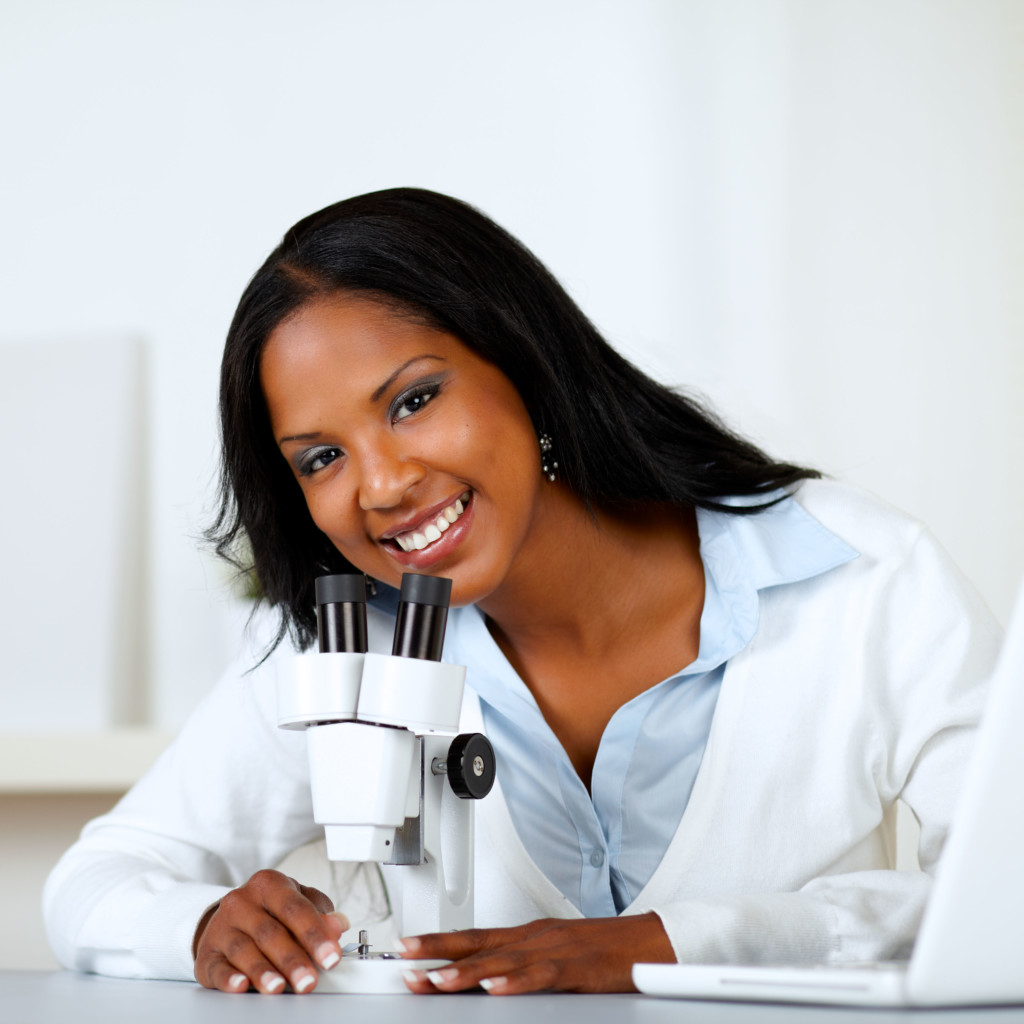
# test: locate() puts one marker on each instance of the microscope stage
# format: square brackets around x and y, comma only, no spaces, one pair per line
[371,974]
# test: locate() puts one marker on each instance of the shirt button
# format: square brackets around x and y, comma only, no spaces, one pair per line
[597,858]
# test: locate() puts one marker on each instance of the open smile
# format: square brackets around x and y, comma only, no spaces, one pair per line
[433,536]
[417,540]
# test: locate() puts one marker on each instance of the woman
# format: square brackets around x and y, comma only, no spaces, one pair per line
[708,676]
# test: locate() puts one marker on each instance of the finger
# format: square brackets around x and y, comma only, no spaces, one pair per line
[419,983]
[241,955]
[471,972]
[279,945]
[216,972]
[540,956]
[315,932]
[462,977]
[323,903]
[337,923]
[512,974]
[569,956]
[445,979]
[456,945]
[540,977]
[256,944]
[301,909]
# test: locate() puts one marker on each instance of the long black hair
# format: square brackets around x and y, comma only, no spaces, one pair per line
[620,437]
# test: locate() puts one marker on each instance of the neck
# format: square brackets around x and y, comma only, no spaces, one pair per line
[591,581]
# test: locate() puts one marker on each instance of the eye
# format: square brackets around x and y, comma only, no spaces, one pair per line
[316,459]
[413,400]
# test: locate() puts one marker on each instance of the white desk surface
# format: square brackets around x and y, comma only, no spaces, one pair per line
[63,997]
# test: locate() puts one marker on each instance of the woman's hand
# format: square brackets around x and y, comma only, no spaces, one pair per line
[267,932]
[573,956]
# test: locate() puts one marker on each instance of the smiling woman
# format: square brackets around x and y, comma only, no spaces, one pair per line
[708,676]
[380,268]
[413,454]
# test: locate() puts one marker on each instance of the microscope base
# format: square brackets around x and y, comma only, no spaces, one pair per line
[375,974]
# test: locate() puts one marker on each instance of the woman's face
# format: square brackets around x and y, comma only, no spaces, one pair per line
[413,453]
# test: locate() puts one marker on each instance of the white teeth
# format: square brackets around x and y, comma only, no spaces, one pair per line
[432,532]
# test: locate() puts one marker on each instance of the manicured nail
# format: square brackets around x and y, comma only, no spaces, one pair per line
[488,983]
[443,976]
[341,918]
[238,980]
[413,977]
[302,980]
[327,955]
[410,945]
[272,982]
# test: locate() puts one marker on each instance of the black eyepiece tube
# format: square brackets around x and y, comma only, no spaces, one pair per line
[422,616]
[341,613]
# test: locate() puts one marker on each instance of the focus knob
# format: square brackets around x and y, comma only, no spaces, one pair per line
[471,765]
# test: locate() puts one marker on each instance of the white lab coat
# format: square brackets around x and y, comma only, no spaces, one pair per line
[861,686]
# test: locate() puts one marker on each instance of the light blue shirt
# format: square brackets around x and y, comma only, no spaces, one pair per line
[601,848]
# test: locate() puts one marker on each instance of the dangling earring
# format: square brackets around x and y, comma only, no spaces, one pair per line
[548,463]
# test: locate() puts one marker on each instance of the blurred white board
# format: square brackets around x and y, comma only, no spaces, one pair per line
[71,535]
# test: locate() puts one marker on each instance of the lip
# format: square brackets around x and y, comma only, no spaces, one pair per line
[439,549]
[424,518]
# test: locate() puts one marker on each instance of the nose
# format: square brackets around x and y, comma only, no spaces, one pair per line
[386,476]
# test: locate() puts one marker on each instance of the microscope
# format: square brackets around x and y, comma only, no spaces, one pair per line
[392,779]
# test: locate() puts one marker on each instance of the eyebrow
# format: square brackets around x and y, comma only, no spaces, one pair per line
[298,437]
[375,397]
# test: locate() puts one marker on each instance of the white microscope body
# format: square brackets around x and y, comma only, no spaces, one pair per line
[392,782]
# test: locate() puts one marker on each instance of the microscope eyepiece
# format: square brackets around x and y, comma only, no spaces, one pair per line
[434,590]
[422,616]
[341,613]
[341,588]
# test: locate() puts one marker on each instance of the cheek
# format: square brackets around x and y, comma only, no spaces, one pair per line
[500,456]
[328,512]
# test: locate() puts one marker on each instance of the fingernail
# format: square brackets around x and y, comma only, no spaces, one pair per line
[238,980]
[488,983]
[413,977]
[443,976]
[271,982]
[327,955]
[341,918]
[410,945]
[302,980]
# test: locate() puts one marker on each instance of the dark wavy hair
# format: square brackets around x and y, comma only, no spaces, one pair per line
[621,438]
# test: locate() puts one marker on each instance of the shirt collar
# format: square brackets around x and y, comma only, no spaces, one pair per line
[745,554]
[742,555]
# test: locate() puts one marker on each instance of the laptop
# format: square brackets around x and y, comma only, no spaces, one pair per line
[970,946]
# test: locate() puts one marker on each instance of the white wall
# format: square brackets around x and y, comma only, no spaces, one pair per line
[37,829]
[803,209]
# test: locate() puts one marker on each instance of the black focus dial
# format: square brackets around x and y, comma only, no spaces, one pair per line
[471,765]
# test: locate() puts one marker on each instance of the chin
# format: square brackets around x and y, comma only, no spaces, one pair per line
[467,590]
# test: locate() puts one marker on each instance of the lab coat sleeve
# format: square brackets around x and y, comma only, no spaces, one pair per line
[230,796]
[927,649]
[863,916]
